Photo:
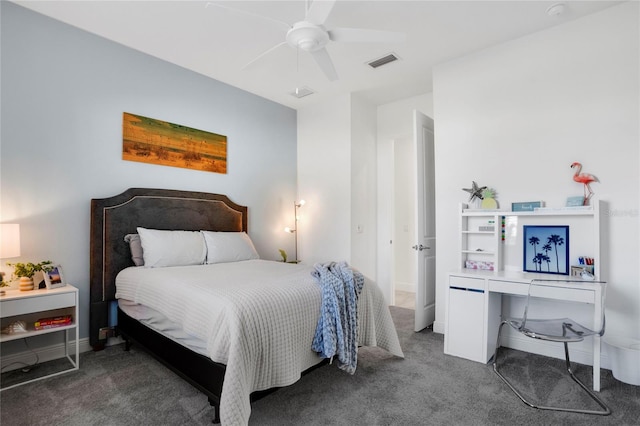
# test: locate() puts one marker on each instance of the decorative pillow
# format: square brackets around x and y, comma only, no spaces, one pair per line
[135,246]
[172,248]
[229,247]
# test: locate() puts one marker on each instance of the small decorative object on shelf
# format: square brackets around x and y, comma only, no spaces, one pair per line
[475,191]
[26,271]
[526,206]
[575,201]
[576,270]
[586,179]
[477,264]
[283,254]
[53,277]
[489,199]
[15,327]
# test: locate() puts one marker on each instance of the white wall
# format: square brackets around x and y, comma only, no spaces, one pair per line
[324,181]
[337,176]
[363,186]
[63,95]
[515,116]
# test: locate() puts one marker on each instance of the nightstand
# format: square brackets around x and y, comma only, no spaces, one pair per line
[30,306]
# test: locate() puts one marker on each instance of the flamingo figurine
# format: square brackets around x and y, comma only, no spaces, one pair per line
[586,179]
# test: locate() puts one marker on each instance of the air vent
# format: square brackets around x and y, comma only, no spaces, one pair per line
[301,92]
[391,57]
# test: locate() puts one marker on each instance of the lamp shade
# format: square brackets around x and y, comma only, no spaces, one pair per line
[9,240]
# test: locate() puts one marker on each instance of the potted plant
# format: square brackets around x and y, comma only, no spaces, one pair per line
[26,271]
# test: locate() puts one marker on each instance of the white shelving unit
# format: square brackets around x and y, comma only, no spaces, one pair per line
[480,245]
[476,243]
[30,306]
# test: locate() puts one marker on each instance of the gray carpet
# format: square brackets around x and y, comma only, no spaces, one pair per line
[114,387]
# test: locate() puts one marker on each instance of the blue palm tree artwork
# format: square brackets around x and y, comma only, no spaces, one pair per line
[546,249]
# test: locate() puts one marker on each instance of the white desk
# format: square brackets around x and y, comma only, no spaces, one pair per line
[474,307]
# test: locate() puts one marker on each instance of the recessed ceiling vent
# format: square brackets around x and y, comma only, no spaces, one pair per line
[391,57]
[301,92]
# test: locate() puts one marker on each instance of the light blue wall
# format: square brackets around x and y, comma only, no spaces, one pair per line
[63,95]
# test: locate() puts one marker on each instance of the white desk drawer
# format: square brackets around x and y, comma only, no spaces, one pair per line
[509,287]
[28,305]
[551,291]
[467,283]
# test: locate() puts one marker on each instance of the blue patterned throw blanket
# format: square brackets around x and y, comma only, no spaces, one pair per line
[337,330]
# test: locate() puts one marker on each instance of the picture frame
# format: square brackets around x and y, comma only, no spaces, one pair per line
[54,278]
[546,249]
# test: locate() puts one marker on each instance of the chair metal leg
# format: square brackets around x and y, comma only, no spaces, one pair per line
[593,396]
[606,411]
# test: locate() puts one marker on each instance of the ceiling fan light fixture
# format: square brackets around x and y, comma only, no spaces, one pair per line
[307,36]
[386,59]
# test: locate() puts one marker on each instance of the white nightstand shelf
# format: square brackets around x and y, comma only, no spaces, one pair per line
[30,306]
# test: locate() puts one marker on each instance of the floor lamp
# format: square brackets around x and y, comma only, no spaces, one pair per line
[294,231]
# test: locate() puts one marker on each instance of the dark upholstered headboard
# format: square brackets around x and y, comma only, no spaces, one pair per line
[114,217]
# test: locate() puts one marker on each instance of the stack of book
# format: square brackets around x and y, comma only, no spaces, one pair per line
[53,322]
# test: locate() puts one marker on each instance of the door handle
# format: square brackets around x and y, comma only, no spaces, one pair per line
[420,247]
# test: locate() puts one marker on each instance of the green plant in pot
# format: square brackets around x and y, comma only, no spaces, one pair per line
[26,271]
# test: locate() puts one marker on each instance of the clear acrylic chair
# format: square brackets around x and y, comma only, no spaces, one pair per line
[562,330]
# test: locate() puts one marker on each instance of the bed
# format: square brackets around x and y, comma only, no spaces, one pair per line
[235,361]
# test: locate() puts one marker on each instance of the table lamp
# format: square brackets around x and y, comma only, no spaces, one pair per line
[9,245]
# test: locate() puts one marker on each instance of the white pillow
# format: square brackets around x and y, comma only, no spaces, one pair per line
[172,248]
[229,247]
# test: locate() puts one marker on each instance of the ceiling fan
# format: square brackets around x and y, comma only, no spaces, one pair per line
[310,35]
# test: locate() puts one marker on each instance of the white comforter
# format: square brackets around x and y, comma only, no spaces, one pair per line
[257,317]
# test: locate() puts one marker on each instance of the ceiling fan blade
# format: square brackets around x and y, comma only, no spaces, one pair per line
[361,35]
[244,12]
[325,63]
[265,53]
[319,11]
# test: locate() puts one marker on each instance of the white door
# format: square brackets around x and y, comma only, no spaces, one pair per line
[425,238]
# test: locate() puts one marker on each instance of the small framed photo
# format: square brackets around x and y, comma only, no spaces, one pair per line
[546,249]
[54,277]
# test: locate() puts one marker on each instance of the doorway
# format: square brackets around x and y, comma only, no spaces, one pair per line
[404,203]
[413,250]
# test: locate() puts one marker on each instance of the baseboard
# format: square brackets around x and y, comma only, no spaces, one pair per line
[44,354]
[555,350]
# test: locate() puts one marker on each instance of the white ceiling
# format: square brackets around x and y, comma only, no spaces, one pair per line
[218,42]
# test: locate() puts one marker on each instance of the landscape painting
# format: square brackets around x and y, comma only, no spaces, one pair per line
[546,249]
[148,140]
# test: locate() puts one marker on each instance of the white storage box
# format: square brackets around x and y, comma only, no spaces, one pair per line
[625,358]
